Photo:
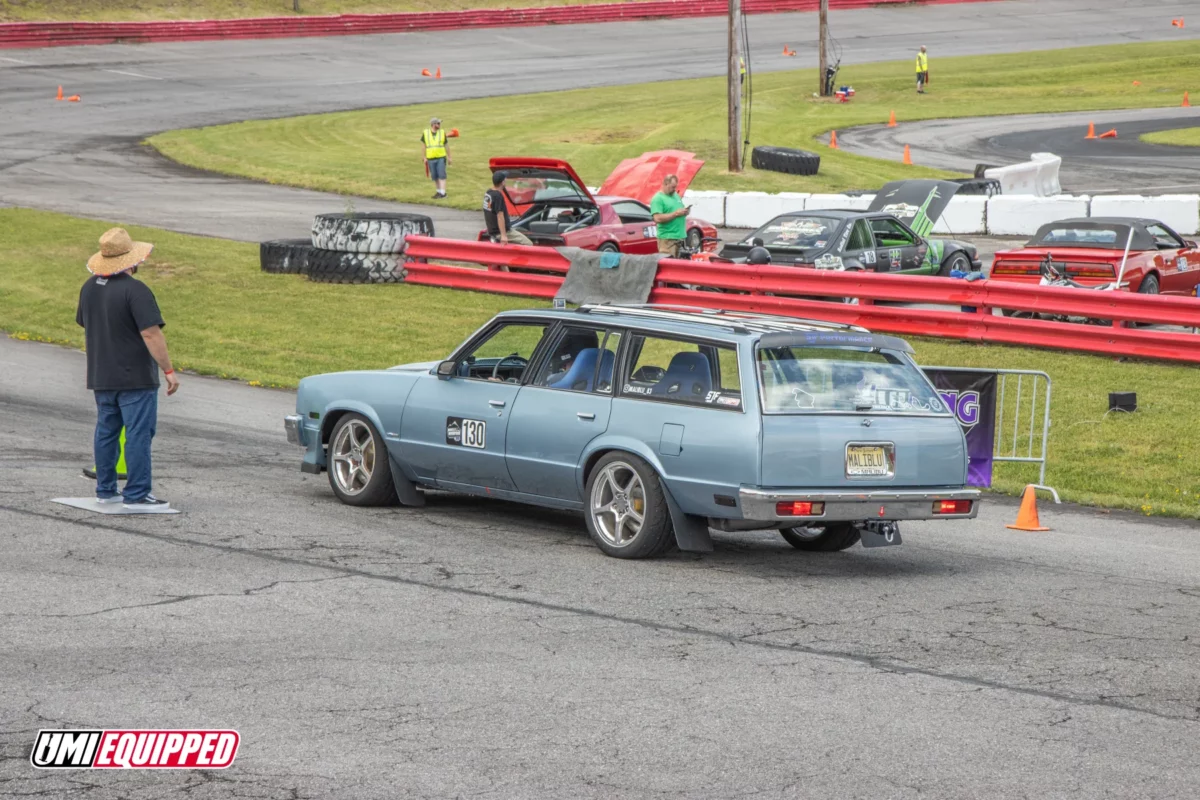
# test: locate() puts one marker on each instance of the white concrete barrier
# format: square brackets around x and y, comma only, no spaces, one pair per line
[1181,212]
[1016,215]
[963,215]
[752,209]
[707,205]
[1047,176]
[816,202]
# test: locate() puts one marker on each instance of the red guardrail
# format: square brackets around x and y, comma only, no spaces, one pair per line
[790,291]
[55,34]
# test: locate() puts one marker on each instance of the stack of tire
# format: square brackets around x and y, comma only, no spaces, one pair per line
[347,248]
[785,159]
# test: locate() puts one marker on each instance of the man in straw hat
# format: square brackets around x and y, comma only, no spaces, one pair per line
[125,347]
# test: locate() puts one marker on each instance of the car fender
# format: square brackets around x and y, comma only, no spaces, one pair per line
[691,532]
[336,409]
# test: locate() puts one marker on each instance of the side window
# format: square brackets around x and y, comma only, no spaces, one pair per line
[889,233]
[632,212]
[860,237]
[1163,238]
[674,371]
[504,355]
[578,358]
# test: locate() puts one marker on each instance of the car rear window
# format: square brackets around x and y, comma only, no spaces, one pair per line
[1090,236]
[803,379]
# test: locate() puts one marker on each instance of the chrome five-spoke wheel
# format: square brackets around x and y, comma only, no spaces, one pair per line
[627,514]
[618,504]
[352,456]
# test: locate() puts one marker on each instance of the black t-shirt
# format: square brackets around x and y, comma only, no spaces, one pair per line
[113,312]
[493,206]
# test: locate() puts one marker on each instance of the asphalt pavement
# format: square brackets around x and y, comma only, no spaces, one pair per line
[477,648]
[1097,166]
[86,159]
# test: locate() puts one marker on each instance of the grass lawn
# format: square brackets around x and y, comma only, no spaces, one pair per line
[1185,137]
[114,10]
[375,153]
[227,318]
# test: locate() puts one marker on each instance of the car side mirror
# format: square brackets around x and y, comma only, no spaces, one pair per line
[1191,245]
[445,370]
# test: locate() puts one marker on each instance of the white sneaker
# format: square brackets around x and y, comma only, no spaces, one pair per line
[107,501]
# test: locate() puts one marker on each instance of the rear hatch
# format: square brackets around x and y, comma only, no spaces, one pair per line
[851,410]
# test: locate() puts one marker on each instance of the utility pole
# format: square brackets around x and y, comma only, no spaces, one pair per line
[735,87]
[296,6]
[822,46]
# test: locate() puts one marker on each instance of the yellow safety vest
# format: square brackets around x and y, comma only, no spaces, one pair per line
[435,143]
[742,66]
[922,62]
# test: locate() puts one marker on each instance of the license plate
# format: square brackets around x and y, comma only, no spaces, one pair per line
[867,461]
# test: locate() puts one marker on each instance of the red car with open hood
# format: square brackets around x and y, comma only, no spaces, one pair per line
[549,203]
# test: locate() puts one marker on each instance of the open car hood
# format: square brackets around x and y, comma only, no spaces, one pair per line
[916,203]
[528,177]
[640,178]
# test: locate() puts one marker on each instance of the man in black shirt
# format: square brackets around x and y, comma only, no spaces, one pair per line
[125,347]
[495,214]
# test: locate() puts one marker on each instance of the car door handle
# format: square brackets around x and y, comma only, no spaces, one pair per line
[496,403]
[585,415]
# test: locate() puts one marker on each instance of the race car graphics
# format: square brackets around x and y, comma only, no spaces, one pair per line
[829,261]
[466,432]
[134,749]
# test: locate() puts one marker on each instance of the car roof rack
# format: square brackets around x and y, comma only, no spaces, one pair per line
[738,321]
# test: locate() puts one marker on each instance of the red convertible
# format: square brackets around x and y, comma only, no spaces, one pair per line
[548,203]
[1089,251]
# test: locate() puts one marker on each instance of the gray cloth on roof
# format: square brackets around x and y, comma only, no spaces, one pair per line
[589,281]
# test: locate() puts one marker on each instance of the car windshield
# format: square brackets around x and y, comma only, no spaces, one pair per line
[799,379]
[538,186]
[802,231]
[1106,236]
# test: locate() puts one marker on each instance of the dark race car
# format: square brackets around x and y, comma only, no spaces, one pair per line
[549,203]
[890,237]
[1089,251]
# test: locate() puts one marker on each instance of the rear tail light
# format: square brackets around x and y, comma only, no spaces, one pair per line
[952,507]
[1092,271]
[799,509]
[1015,268]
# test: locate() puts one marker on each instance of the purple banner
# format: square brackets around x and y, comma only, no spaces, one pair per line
[972,398]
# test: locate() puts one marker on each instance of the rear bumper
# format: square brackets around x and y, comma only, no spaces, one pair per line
[854,506]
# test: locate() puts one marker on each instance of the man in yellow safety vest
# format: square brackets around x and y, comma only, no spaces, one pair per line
[922,70]
[436,156]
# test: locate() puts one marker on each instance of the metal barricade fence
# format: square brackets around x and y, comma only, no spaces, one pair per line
[1022,417]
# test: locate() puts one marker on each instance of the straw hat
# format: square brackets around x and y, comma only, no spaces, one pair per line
[118,253]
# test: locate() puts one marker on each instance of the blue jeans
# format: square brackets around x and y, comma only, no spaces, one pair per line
[437,169]
[137,411]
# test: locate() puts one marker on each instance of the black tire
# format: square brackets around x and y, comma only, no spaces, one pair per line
[376,232]
[328,266]
[695,239]
[786,160]
[284,256]
[656,534]
[957,260]
[608,247]
[378,488]
[833,537]
[1149,285]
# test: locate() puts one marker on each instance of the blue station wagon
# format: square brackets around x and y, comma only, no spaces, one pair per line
[658,423]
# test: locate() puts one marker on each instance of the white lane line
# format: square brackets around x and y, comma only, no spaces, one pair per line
[15,60]
[134,75]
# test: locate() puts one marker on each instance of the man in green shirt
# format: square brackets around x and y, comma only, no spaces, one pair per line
[670,215]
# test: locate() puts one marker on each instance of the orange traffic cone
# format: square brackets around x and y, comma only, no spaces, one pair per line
[1186,103]
[453,134]
[1091,131]
[1137,83]
[1112,134]
[438,74]
[907,155]
[60,95]
[73,98]
[425,74]
[833,140]
[785,52]
[892,120]
[1027,516]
